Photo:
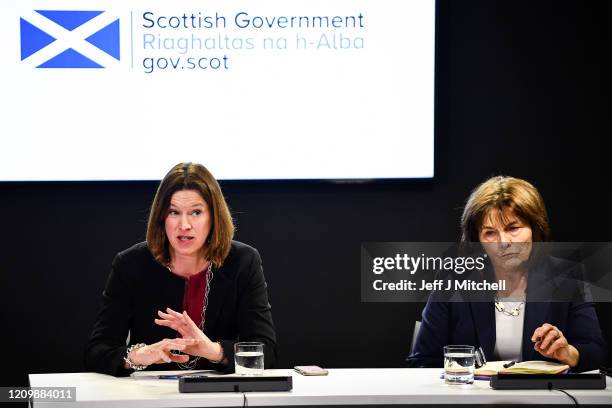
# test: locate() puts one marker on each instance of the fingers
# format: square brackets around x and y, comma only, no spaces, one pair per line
[541,331]
[549,341]
[188,321]
[545,335]
[157,355]
[173,346]
[183,318]
[173,313]
[559,344]
[180,322]
[185,341]
[164,315]
[173,325]
[549,338]
[179,358]
[165,356]
[173,320]
[192,336]
[168,316]
[166,323]
[172,316]
[163,350]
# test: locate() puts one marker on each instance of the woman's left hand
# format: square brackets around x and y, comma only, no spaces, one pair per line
[182,323]
[550,342]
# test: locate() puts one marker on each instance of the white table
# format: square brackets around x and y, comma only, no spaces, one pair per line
[392,386]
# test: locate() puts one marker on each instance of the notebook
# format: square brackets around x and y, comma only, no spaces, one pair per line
[524,367]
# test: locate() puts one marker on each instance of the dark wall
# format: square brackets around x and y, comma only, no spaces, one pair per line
[523,88]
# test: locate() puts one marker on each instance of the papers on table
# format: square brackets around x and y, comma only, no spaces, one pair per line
[525,367]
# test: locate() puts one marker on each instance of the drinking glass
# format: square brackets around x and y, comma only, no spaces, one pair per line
[249,358]
[459,365]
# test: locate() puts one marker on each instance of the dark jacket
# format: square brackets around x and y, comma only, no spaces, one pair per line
[472,321]
[138,286]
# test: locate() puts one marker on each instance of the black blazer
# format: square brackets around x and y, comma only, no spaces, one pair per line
[472,321]
[238,308]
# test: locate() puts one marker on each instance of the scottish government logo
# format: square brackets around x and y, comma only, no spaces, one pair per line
[70,39]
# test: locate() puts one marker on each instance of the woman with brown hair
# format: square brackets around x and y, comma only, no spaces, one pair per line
[537,315]
[188,293]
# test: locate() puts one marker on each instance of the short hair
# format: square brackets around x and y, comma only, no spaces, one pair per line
[191,176]
[503,192]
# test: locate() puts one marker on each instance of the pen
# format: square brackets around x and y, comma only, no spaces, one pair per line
[177,376]
[510,364]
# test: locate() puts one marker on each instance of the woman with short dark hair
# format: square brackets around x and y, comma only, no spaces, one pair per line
[188,293]
[506,217]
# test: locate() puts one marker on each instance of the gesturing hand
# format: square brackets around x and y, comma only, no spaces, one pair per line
[550,342]
[181,322]
[159,352]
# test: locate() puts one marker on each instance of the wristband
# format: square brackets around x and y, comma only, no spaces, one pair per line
[137,367]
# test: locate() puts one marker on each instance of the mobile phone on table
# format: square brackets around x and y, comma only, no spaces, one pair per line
[311,370]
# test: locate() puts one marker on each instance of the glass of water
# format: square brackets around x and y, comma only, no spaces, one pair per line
[249,358]
[459,364]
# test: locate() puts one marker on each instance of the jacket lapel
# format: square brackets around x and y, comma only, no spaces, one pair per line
[540,286]
[219,286]
[484,321]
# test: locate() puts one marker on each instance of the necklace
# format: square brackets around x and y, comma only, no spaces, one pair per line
[515,311]
[190,365]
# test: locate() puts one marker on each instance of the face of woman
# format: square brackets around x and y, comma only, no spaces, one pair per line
[187,223]
[507,239]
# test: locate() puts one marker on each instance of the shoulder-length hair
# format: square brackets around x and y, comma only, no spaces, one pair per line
[191,176]
[502,192]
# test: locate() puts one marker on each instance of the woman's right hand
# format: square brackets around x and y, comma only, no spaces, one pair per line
[159,353]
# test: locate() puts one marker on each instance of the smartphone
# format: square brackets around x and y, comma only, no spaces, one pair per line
[310,370]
